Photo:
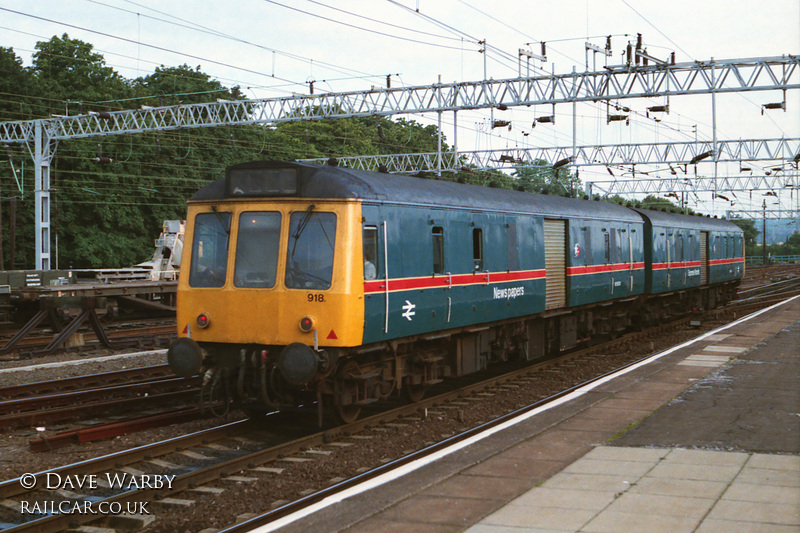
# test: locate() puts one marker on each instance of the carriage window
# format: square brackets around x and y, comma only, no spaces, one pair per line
[477,249]
[607,239]
[257,246]
[370,252]
[210,250]
[679,248]
[309,256]
[437,234]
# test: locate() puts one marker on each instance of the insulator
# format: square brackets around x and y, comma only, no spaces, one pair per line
[544,49]
[550,119]
[502,107]
[563,162]
[638,41]
[700,157]
[388,81]
[104,160]
[500,124]
[659,108]
[774,105]
[608,43]
[616,118]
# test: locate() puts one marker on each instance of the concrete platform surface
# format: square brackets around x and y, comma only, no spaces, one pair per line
[659,490]
[703,439]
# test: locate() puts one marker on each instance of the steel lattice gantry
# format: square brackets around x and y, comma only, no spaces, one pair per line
[612,83]
[756,214]
[663,153]
[648,185]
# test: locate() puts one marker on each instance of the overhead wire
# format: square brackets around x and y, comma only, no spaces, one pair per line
[384,34]
[148,45]
[198,27]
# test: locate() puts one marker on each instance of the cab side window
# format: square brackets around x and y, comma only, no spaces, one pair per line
[370,245]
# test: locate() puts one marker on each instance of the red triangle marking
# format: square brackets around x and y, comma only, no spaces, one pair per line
[186,329]
[332,335]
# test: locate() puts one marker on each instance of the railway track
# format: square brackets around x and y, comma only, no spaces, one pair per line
[241,453]
[93,395]
[144,333]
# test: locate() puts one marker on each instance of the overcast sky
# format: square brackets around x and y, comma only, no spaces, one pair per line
[273,48]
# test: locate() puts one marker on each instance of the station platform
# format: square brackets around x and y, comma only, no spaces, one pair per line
[704,438]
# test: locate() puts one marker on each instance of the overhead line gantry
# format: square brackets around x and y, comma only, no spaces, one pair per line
[611,83]
[658,153]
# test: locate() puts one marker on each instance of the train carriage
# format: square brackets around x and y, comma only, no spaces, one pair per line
[316,283]
[691,260]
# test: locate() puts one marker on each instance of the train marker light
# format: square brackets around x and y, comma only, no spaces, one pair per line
[202,320]
[306,324]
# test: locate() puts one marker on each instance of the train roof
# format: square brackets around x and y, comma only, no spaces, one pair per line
[319,181]
[678,220]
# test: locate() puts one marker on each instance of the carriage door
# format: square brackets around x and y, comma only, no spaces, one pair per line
[703,258]
[555,263]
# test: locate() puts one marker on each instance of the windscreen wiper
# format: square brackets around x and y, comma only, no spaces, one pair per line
[301,227]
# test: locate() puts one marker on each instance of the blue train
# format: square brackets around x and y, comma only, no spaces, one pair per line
[304,282]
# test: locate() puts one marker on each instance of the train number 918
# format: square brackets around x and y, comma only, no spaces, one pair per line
[319,298]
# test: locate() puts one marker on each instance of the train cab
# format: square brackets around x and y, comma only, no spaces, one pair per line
[265,266]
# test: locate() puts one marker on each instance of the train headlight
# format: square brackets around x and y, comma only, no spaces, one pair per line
[306,324]
[203,320]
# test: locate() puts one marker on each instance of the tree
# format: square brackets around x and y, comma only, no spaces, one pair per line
[544,178]
[76,79]
[17,88]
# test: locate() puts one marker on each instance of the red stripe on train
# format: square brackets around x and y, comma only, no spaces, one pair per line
[457,280]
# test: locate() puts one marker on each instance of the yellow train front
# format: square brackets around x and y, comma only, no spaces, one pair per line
[269,288]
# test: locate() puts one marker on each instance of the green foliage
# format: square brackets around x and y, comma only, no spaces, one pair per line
[790,247]
[110,195]
[543,178]
[16,87]
[74,78]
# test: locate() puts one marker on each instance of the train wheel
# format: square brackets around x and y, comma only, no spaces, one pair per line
[348,388]
[415,393]
[347,414]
